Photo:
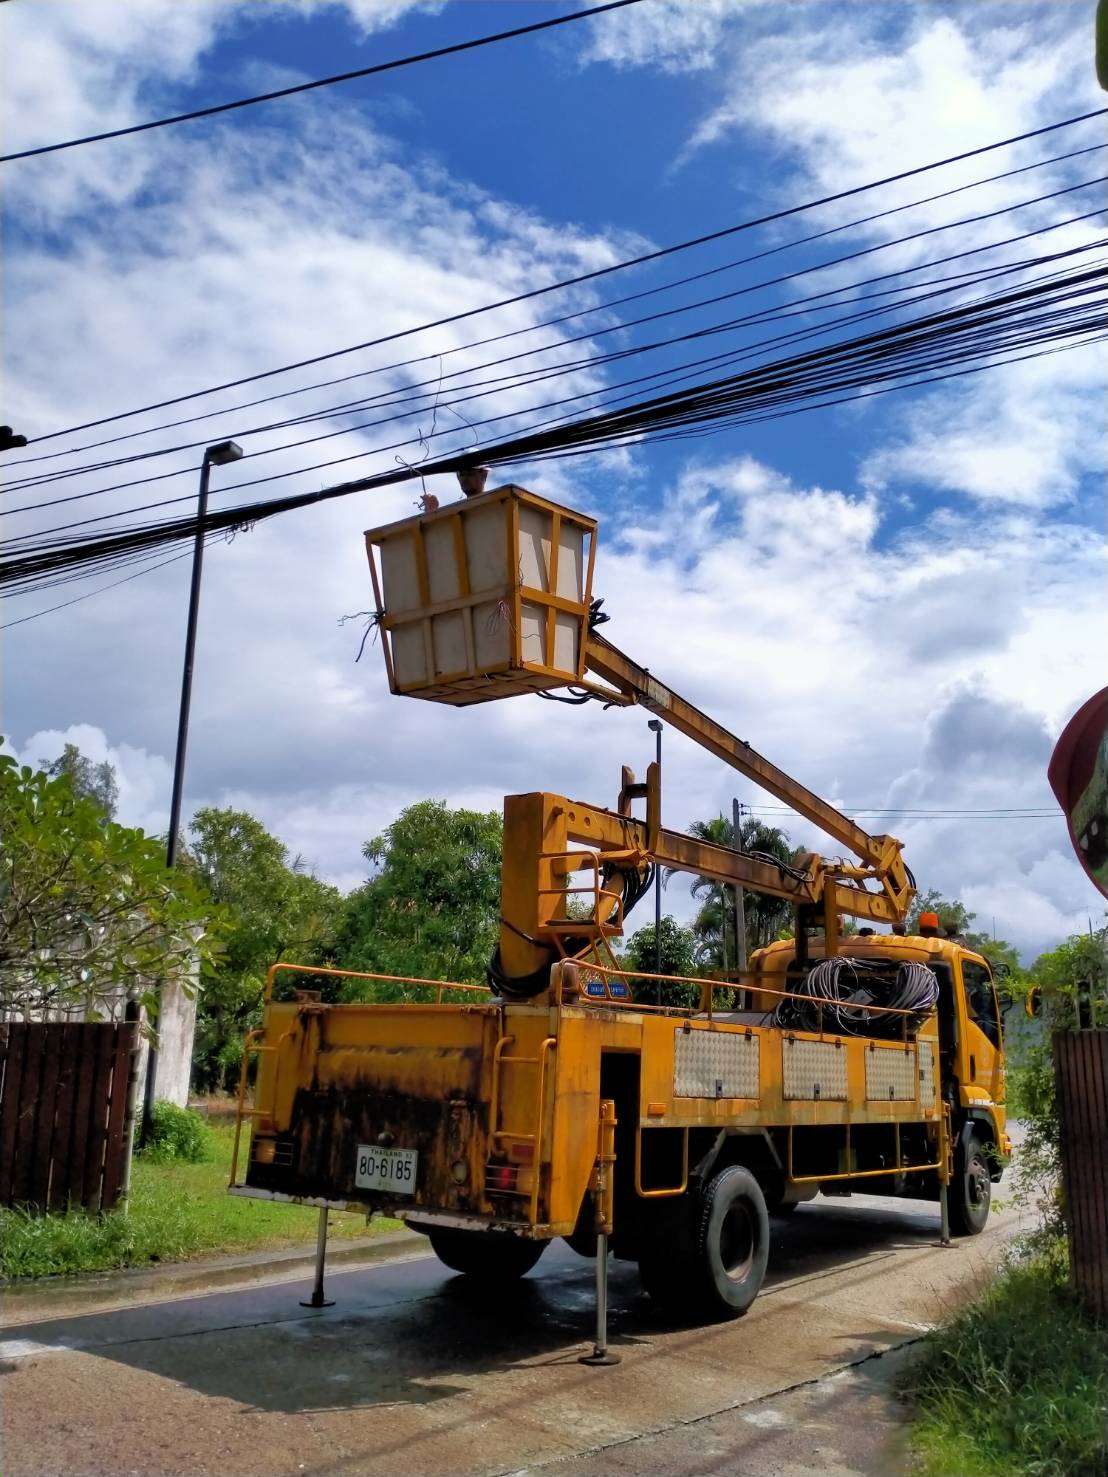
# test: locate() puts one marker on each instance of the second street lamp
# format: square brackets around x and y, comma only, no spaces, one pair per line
[219,455]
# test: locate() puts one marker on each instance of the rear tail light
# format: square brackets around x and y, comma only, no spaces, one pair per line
[501,1178]
[509,1179]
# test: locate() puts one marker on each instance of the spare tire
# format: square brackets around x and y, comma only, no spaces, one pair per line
[489,1256]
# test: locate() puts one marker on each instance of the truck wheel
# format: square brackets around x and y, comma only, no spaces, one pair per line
[491,1256]
[732,1242]
[716,1268]
[970,1190]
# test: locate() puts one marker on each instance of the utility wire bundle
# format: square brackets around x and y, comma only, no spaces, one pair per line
[975,307]
[855,997]
[1056,312]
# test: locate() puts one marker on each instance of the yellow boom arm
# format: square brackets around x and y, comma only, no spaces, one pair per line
[542,834]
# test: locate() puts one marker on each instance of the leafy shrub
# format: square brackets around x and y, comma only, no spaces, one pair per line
[177,1135]
[1015,1383]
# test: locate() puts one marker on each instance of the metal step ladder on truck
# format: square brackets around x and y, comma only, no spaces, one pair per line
[566,1098]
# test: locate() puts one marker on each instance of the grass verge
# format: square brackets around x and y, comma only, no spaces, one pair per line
[1015,1384]
[177,1211]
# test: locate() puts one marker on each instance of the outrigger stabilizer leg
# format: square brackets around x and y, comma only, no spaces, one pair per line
[603,1200]
[601,1354]
[317,1300]
[945,1158]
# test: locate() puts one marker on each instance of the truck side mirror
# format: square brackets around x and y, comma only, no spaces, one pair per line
[1033,1004]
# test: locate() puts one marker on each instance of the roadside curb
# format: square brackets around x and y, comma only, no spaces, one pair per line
[99,1292]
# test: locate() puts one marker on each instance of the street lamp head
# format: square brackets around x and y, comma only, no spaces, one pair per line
[655,725]
[224,452]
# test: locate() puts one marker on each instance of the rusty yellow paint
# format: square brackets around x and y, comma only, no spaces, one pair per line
[475,1087]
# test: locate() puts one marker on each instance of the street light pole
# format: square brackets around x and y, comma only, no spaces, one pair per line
[219,455]
[655,726]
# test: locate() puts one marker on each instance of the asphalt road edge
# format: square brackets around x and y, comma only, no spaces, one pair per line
[27,1301]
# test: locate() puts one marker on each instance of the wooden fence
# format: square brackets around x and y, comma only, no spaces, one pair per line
[63,1112]
[1081,1075]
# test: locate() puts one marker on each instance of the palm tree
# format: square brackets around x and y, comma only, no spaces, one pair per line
[714,924]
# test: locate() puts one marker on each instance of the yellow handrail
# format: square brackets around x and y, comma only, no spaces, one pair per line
[241,1111]
[358,974]
[661,1194]
[494,1105]
[535,1139]
[857,1174]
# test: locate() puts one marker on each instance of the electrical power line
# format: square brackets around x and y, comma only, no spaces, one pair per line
[578,280]
[1020,323]
[608,394]
[268,97]
[593,361]
[554,322]
[147,568]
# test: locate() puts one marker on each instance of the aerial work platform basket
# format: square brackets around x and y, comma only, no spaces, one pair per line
[484,598]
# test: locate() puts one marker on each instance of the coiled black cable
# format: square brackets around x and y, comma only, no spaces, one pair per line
[855,997]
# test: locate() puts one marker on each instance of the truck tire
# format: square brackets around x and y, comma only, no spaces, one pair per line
[489,1256]
[970,1189]
[715,1270]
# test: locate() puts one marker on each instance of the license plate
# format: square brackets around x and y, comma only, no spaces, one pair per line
[386,1169]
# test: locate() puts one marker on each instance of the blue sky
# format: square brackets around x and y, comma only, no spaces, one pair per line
[901,601]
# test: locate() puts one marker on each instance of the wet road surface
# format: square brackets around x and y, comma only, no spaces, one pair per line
[415,1372]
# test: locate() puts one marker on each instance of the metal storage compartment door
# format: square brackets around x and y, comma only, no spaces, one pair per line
[716,1064]
[484,598]
[813,1071]
[892,1074]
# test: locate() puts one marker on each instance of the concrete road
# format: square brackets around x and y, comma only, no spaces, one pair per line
[413,1372]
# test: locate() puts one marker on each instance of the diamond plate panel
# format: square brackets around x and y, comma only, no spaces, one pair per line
[814,1070]
[891,1074]
[716,1064]
[926,1051]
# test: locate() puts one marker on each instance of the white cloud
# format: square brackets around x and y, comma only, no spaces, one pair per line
[675,35]
[67,72]
[143,778]
[837,648]
[855,93]
[777,608]
[1019,437]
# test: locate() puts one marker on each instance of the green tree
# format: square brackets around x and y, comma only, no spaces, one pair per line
[678,956]
[950,912]
[89,780]
[714,925]
[1073,979]
[276,910]
[953,914]
[432,908]
[88,908]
